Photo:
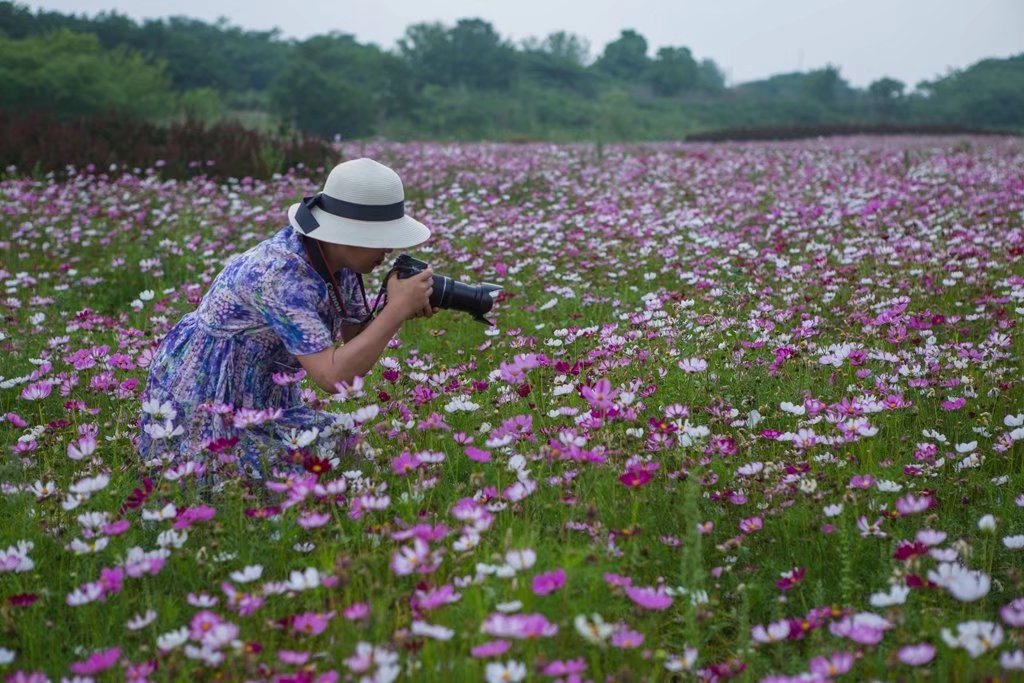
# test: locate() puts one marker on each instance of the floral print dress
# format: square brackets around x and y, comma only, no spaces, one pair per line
[232,356]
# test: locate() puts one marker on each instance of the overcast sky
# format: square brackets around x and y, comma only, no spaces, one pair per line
[911,40]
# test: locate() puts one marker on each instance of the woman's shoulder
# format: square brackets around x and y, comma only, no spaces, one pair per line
[276,259]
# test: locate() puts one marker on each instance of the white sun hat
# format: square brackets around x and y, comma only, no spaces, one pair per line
[362,205]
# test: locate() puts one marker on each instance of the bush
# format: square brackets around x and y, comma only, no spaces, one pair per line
[35,143]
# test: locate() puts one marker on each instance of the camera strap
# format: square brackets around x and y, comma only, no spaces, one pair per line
[315,252]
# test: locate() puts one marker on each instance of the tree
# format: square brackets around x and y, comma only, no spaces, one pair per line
[674,71]
[886,89]
[333,85]
[823,85]
[70,74]
[568,47]
[471,54]
[625,57]
[710,77]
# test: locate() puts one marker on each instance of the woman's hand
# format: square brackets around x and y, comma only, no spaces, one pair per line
[411,296]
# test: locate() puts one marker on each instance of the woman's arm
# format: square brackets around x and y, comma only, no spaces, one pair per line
[354,358]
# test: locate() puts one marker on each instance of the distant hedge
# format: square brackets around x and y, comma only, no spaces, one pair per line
[828,130]
[36,144]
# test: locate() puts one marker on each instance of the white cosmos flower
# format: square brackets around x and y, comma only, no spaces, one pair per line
[6,656]
[977,637]
[159,411]
[461,403]
[987,523]
[166,430]
[1012,661]
[140,621]
[897,595]
[172,639]
[80,547]
[1014,420]
[422,628]
[90,485]
[250,573]
[509,607]
[507,672]
[594,630]
[833,510]
[969,586]
[792,408]
[166,512]
[304,580]
[966,447]
[1014,542]
[521,559]
[147,294]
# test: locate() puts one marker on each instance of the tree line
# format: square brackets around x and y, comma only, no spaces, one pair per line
[460,81]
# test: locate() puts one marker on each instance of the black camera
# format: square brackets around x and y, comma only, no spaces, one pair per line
[449,293]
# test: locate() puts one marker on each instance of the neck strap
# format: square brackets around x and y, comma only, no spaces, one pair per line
[315,252]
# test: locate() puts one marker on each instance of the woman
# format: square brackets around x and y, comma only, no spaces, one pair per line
[226,377]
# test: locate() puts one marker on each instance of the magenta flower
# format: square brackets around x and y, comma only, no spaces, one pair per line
[649,598]
[634,479]
[548,582]
[791,578]
[97,662]
[478,454]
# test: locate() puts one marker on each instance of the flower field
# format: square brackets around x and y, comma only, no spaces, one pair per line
[748,411]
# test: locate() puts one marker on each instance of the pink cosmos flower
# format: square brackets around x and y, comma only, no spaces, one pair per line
[601,396]
[312,623]
[492,648]
[520,626]
[751,524]
[565,668]
[548,582]
[189,516]
[312,519]
[293,657]
[357,611]
[478,454]
[649,598]
[1013,612]
[97,662]
[202,623]
[838,663]
[405,463]
[626,638]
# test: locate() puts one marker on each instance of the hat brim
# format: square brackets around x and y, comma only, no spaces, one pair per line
[401,233]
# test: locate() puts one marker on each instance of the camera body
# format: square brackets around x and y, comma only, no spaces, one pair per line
[449,293]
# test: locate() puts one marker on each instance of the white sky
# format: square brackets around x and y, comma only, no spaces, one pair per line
[912,40]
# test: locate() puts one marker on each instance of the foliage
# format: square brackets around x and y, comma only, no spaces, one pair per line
[331,84]
[36,144]
[70,74]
